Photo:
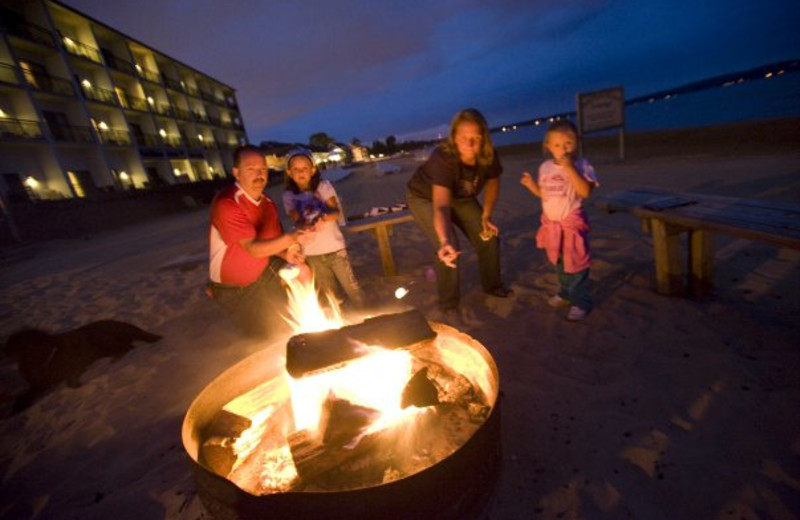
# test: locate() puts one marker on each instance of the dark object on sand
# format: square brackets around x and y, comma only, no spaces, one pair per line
[45,359]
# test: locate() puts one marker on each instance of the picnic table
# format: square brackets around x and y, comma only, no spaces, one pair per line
[381,227]
[668,216]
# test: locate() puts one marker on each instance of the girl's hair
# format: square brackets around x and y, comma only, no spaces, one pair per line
[562,125]
[289,183]
[471,115]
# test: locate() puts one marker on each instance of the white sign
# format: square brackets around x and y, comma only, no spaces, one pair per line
[601,110]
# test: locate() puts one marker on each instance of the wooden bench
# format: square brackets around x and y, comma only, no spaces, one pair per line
[381,226]
[669,215]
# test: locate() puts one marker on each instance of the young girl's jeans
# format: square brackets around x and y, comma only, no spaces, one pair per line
[574,286]
[329,268]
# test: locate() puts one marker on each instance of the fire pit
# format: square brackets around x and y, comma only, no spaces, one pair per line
[391,418]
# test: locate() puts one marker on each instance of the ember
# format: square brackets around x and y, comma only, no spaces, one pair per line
[361,407]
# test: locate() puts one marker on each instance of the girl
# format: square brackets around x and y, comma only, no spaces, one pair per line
[312,203]
[562,185]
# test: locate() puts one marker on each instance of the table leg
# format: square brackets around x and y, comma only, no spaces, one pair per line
[666,250]
[385,248]
[701,261]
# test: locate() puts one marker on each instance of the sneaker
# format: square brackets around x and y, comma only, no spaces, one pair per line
[557,301]
[576,314]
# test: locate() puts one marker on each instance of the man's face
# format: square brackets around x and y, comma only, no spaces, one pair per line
[252,173]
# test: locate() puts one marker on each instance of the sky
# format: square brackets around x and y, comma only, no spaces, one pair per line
[370,69]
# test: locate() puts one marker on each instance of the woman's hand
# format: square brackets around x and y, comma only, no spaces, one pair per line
[489,229]
[448,255]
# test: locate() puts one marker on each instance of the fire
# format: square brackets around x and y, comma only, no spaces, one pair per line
[374,381]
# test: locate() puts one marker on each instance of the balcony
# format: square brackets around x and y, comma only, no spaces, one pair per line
[207,96]
[102,95]
[164,109]
[120,64]
[31,32]
[48,83]
[71,134]
[199,116]
[172,141]
[149,141]
[19,129]
[8,73]
[214,120]
[192,91]
[173,84]
[231,102]
[182,113]
[147,74]
[114,136]
[137,103]
[81,49]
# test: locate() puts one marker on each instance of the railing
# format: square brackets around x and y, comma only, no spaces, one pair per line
[207,96]
[192,91]
[103,95]
[214,120]
[173,84]
[149,140]
[137,103]
[14,129]
[199,116]
[162,108]
[8,73]
[73,134]
[181,113]
[81,49]
[120,64]
[172,141]
[32,32]
[51,84]
[147,74]
[113,136]
[194,142]
[231,102]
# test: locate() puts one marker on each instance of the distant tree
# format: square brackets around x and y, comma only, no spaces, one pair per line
[320,140]
[356,141]
[377,148]
[391,144]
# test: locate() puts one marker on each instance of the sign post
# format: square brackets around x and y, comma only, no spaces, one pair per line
[602,110]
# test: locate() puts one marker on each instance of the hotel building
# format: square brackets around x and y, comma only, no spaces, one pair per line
[89,112]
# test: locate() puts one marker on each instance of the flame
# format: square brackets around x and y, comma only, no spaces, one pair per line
[374,381]
[305,312]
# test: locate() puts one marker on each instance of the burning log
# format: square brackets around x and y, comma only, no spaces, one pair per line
[340,436]
[420,391]
[317,350]
[217,451]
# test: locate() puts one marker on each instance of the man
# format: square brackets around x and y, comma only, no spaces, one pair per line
[247,248]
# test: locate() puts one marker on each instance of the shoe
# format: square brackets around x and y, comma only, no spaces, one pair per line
[576,314]
[557,301]
[501,292]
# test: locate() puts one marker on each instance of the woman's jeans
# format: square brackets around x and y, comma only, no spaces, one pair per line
[466,216]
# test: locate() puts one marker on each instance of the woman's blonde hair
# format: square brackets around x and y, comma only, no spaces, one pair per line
[471,115]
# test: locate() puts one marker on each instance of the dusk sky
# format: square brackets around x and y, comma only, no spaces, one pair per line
[370,69]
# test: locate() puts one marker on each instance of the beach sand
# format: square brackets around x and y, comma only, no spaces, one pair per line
[655,407]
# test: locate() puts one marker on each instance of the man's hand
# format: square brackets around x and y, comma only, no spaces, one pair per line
[294,254]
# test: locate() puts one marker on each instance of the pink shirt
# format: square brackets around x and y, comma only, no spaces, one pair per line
[559,198]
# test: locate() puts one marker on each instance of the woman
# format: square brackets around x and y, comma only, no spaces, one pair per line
[443,192]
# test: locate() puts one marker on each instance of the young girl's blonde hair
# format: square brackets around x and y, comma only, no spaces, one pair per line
[563,126]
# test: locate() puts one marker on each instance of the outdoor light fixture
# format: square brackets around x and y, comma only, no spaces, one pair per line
[102,126]
[124,176]
[176,171]
[200,136]
[162,132]
[151,100]
[31,182]
[86,83]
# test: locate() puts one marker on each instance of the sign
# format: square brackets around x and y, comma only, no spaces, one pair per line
[601,110]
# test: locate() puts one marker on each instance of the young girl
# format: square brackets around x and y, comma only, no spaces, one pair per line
[312,203]
[563,183]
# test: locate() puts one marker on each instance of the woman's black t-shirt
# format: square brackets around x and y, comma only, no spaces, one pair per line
[443,169]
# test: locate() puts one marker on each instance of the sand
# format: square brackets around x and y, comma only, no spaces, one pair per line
[655,407]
